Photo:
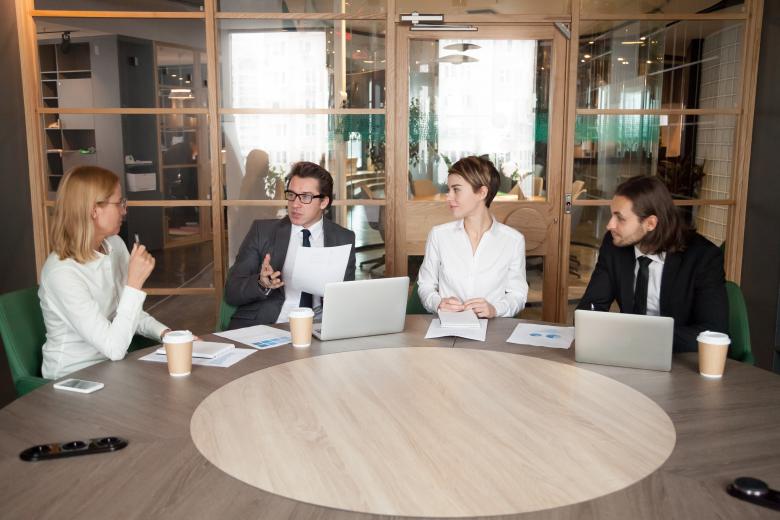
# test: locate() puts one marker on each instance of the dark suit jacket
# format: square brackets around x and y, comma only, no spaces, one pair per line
[693,290]
[271,237]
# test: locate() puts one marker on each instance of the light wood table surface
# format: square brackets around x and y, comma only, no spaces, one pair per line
[725,429]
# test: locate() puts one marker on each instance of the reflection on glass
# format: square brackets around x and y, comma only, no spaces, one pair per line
[259,151]
[302,64]
[662,6]
[180,240]
[711,222]
[589,225]
[108,63]
[484,8]
[652,64]
[534,273]
[480,97]
[181,77]
[156,157]
[199,316]
[352,7]
[693,155]
[120,5]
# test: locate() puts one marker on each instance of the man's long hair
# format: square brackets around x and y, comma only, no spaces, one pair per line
[649,196]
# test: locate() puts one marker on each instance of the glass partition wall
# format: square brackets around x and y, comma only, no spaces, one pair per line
[201,107]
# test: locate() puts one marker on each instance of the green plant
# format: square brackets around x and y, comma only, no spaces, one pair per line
[422,129]
[683,177]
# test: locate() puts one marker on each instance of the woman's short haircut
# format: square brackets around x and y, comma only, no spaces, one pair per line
[72,230]
[310,170]
[478,172]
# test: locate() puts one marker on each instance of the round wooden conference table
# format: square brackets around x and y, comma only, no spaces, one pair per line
[652,444]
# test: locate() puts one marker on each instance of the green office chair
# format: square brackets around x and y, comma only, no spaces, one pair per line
[739,330]
[23,333]
[413,304]
[226,312]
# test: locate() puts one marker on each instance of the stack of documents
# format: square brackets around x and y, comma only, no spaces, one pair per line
[464,319]
[461,324]
[207,354]
[206,349]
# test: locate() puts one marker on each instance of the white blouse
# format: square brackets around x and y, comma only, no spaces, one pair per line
[495,272]
[89,312]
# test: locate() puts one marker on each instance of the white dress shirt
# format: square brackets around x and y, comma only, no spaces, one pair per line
[292,293]
[655,272]
[89,312]
[495,272]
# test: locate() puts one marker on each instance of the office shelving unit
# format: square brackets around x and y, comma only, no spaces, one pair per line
[66,82]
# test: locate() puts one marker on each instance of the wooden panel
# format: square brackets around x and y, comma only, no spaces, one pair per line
[189,15]
[744,139]
[532,220]
[31,90]
[217,213]
[120,111]
[657,111]
[336,431]
[300,16]
[338,111]
[663,16]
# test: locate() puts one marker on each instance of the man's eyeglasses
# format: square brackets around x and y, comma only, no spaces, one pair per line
[306,198]
[122,202]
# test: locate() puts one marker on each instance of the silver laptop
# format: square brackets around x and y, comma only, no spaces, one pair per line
[363,308]
[623,340]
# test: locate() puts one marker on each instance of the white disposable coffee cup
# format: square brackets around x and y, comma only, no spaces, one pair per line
[178,350]
[301,323]
[713,349]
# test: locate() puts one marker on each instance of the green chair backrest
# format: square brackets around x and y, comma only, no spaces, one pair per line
[23,332]
[226,312]
[413,304]
[739,330]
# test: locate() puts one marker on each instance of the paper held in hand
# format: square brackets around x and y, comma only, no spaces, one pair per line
[316,266]
[463,319]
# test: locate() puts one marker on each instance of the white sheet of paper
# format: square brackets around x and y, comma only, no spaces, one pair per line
[316,266]
[258,336]
[542,335]
[206,349]
[435,330]
[224,361]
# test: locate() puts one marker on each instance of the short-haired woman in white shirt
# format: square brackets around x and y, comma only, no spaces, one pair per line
[474,262]
[90,291]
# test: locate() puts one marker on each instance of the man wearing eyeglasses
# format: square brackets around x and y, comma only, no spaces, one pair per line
[259,283]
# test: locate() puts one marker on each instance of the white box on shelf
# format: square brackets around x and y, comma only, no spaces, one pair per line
[141,181]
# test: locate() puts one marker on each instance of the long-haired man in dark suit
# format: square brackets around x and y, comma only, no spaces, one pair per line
[259,281]
[652,263]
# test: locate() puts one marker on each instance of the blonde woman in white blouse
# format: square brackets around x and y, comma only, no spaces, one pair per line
[474,262]
[90,290]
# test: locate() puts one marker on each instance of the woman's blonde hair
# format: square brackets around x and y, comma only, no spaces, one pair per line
[72,230]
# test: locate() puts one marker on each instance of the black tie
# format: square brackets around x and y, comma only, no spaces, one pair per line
[640,291]
[306,298]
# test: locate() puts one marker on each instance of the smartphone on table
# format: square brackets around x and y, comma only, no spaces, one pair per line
[79,385]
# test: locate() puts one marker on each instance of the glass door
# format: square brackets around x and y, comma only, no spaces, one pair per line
[496,92]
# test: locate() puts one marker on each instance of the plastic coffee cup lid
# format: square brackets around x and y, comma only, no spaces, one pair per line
[178,336]
[301,312]
[713,338]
